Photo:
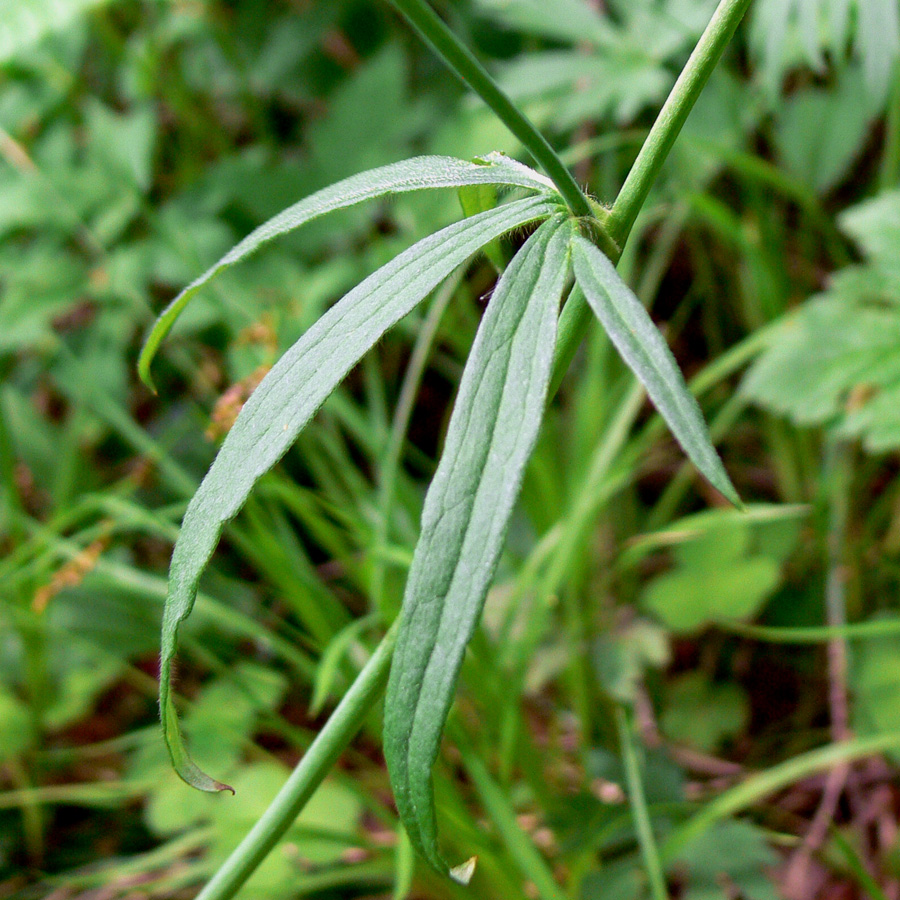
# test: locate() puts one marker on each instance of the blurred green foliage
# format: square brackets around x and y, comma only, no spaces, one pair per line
[139,140]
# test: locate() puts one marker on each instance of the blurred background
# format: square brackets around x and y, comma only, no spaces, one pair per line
[139,140]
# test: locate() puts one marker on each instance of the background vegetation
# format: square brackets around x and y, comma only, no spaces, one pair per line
[139,139]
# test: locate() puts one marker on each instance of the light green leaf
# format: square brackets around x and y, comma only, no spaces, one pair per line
[415,174]
[834,360]
[717,579]
[646,353]
[287,399]
[489,440]
[821,132]
[23,23]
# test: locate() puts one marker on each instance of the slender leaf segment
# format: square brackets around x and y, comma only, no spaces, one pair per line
[418,174]
[489,440]
[642,347]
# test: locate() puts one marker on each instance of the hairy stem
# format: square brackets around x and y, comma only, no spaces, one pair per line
[464,64]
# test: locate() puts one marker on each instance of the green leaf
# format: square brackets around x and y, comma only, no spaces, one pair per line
[735,853]
[834,360]
[821,132]
[646,353]
[717,579]
[409,175]
[788,33]
[489,440]
[286,400]
[23,23]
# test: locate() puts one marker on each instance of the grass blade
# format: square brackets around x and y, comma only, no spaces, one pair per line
[416,174]
[287,399]
[642,347]
[489,440]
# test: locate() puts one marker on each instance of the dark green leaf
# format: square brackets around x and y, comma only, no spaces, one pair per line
[489,440]
[287,399]
[409,175]
[642,347]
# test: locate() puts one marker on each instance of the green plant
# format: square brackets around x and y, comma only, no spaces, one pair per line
[494,424]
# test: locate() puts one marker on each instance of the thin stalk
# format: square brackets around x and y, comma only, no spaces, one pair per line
[32,814]
[464,64]
[638,803]
[673,115]
[322,754]
[818,634]
[838,478]
[769,781]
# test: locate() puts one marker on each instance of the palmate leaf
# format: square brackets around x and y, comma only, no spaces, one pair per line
[420,173]
[642,347]
[834,362]
[490,437]
[289,396]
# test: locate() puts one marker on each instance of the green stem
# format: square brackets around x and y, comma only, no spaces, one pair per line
[638,802]
[324,751]
[464,64]
[776,778]
[673,115]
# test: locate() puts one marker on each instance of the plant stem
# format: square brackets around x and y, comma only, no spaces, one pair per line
[576,317]
[673,115]
[464,64]
[776,778]
[324,751]
[838,480]
[638,802]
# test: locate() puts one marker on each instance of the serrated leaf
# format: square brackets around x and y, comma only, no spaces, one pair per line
[834,361]
[286,400]
[420,173]
[489,440]
[642,347]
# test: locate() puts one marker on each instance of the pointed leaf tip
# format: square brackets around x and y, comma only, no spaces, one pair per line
[462,874]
